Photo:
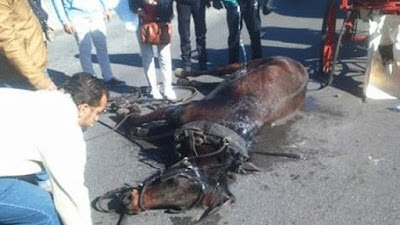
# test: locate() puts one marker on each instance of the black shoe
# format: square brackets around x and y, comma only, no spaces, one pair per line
[268,7]
[114,82]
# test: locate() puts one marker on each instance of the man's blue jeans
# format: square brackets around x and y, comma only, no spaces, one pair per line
[25,203]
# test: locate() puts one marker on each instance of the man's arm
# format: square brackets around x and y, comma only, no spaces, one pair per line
[59,7]
[13,47]
[60,11]
[64,157]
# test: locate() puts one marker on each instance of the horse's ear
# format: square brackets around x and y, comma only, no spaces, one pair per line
[212,209]
[209,211]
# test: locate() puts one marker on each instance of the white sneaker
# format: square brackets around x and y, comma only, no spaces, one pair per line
[388,67]
[156,94]
[169,93]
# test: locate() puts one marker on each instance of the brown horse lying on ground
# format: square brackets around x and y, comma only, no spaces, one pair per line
[270,89]
[213,133]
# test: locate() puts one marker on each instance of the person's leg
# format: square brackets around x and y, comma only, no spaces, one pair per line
[251,16]
[234,26]
[164,59]
[184,13]
[199,17]
[382,41]
[99,37]
[25,203]
[375,36]
[395,38]
[149,68]
[82,36]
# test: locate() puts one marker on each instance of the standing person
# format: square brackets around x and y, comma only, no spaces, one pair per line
[23,54]
[85,20]
[249,11]
[196,9]
[42,16]
[49,139]
[384,37]
[152,11]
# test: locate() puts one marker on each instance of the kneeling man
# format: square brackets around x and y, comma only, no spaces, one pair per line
[42,131]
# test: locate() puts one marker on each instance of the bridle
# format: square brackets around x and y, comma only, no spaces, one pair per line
[185,168]
[196,137]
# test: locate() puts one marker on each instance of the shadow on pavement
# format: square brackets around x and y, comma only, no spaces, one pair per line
[300,8]
[58,77]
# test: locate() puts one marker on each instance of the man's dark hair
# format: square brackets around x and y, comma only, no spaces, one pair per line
[85,88]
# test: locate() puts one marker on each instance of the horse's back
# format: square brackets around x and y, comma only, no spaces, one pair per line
[267,90]
[284,82]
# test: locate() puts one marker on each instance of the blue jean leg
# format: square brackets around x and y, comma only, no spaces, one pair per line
[24,203]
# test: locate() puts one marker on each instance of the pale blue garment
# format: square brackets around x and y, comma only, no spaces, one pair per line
[68,9]
[130,19]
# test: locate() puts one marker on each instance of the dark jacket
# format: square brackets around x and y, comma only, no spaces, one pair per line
[165,11]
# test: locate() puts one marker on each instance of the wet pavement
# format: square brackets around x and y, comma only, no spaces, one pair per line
[347,171]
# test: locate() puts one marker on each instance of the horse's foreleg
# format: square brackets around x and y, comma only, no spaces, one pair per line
[157,115]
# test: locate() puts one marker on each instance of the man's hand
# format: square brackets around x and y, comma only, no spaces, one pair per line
[69,28]
[108,14]
[217,4]
[51,87]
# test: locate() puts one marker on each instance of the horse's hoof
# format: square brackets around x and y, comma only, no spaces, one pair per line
[180,72]
[122,112]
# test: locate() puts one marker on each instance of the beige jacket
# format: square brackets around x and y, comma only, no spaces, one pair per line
[22,49]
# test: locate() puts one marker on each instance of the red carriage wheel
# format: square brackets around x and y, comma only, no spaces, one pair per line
[328,41]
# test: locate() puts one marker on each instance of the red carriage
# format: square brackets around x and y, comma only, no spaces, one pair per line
[332,40]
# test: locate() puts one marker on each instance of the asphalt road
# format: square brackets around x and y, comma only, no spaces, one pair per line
[348,173]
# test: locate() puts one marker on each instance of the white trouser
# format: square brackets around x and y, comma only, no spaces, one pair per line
[90,29]
[384,30]
[164,60]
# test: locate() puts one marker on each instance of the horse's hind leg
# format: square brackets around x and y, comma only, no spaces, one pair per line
[229,69]
[157,115]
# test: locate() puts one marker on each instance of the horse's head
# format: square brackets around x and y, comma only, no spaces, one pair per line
[180,187]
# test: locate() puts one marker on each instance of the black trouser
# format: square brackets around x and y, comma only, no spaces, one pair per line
[249,11]
[42,16]
[185,9]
